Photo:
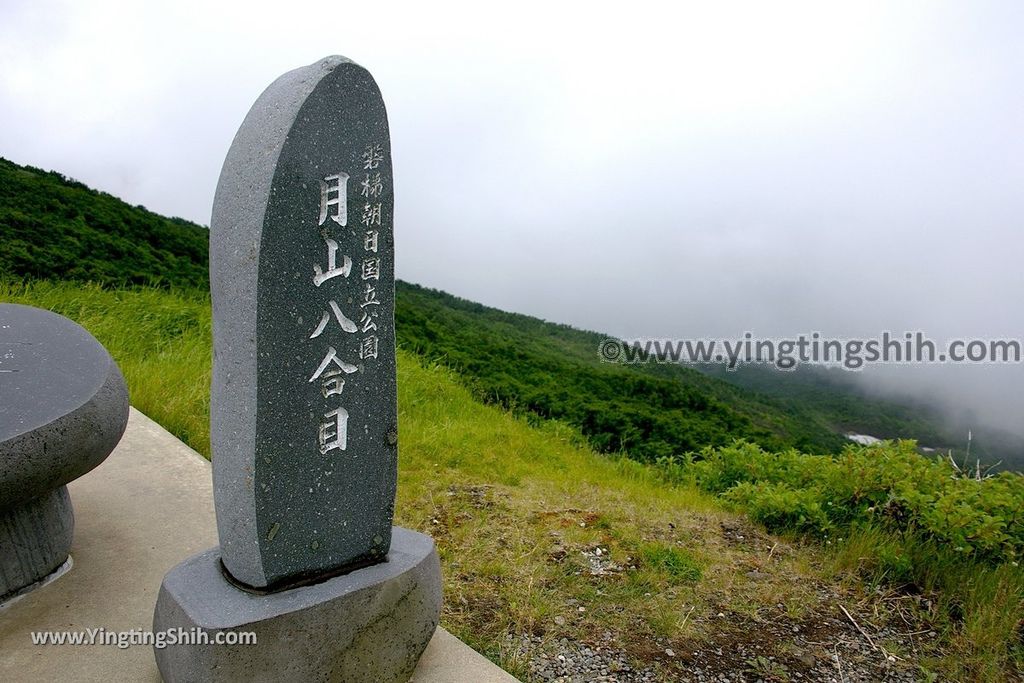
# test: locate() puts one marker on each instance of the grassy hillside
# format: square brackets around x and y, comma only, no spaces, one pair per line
[553,371]
[660,410]
[550,550]
[56,228]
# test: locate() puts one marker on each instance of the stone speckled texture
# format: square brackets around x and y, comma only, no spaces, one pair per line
[287,509]
[63,408]
[35,539]
[370,625]
[63,403]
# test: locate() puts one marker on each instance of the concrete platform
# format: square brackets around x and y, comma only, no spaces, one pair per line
[146,508]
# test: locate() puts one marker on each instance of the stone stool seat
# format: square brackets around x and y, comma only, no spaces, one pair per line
[63,408]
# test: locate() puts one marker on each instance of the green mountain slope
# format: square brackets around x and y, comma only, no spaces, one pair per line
[56,228]
[52,227]
[654,410]
[553,371]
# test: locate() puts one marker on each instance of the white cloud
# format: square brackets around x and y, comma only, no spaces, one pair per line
[649,168]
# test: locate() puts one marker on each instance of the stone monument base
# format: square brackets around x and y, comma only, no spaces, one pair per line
[369,625]
[35,539]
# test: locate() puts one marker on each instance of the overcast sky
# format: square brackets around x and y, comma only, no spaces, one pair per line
[709,169]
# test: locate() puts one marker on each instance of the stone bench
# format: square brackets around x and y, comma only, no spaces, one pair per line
[63,408]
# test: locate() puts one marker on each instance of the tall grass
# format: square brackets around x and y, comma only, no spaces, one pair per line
[978,606]
[160,340]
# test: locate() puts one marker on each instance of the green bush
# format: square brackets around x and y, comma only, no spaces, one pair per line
[889,485]
[778,506]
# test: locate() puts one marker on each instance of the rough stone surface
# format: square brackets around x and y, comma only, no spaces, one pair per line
[35,539]
[302,280]
[63,408]
[63,403]
[369,625]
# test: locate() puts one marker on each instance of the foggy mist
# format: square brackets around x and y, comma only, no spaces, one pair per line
[693,172]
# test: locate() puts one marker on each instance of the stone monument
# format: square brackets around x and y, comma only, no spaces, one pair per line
[63,408]
[304,426]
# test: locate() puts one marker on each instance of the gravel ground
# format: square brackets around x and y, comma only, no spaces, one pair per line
[831,651]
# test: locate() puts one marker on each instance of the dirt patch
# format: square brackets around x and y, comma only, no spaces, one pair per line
[831,642]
